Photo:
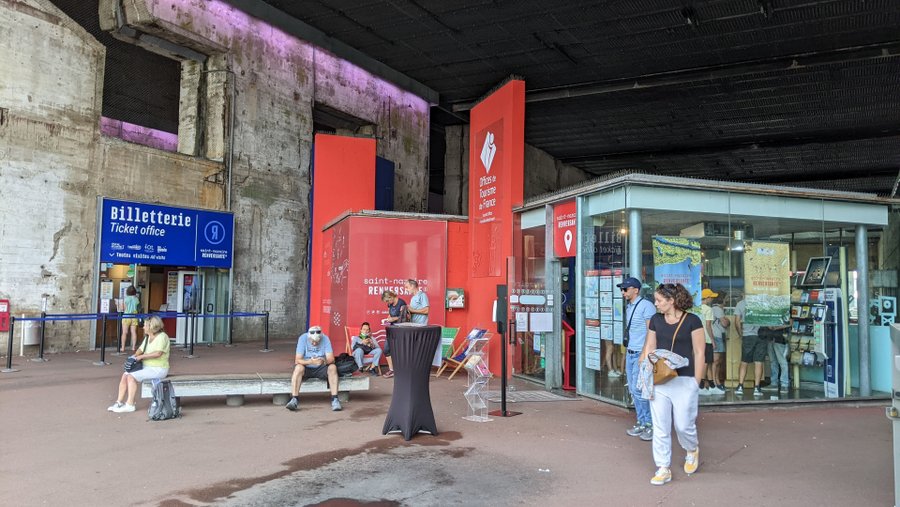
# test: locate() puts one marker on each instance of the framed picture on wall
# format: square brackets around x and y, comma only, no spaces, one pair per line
[816,269]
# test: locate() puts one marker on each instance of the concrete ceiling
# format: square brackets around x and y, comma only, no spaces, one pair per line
[787,91]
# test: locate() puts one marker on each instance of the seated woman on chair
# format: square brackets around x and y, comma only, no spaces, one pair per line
[365,344]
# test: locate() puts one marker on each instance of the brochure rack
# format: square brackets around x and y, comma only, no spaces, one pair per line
[476,364]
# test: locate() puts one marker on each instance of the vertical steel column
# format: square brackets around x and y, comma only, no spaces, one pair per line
[862,307]
[634,244]
[553,350]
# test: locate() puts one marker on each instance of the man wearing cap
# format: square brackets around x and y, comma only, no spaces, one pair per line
[314,359]
[637,317]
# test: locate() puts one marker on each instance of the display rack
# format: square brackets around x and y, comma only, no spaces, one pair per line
[816,338]
[476,364]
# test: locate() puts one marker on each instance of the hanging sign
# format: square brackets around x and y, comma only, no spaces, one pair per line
[140,233]
[564,229]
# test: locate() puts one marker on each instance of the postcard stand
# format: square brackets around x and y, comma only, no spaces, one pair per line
[476,364]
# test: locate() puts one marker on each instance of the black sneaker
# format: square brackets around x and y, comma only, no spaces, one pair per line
[757,391]
[292,405]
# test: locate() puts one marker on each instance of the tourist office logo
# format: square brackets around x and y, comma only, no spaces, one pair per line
[141,233]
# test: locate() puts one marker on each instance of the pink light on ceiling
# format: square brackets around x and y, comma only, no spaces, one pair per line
[139,135]
[218,21]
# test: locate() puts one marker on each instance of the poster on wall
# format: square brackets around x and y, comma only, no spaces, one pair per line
[171,290]
[767,283]
[564,229]
[677,260]
[106,289]
[591,283]
[487,203]
[592,338]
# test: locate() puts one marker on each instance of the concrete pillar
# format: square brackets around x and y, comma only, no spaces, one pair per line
[862,307]
[634,244]
[188,108]
[216,107]
[553,348]
[456,170]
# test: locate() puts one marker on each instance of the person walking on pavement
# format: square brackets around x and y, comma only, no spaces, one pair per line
[675,401]
[638,313]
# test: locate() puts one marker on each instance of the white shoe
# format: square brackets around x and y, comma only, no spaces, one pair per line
[123,409]
[704,392]
[613,374]
[716,390]
[114,406]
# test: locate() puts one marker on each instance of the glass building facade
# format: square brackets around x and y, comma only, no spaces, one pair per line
[802,261]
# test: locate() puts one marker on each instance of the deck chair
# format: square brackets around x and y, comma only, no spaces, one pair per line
[448,334]
[457,357]
[379,336]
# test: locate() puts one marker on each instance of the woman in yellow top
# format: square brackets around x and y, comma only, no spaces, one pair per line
[154,353]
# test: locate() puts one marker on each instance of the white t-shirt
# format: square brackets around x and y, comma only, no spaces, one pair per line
[706,315]
[718,314]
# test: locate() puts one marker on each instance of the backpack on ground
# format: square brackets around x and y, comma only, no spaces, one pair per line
[345,364]
[164,404]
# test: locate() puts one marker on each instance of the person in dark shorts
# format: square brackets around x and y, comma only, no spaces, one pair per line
[753,350]
[314,359]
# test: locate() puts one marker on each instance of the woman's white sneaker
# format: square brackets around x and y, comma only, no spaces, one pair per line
[114,406]
[123,409]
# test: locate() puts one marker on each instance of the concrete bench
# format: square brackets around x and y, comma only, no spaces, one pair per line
[235,386]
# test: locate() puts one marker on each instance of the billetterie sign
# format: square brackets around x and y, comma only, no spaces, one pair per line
[141,233]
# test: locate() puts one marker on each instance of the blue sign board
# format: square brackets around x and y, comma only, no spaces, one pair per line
[140,233]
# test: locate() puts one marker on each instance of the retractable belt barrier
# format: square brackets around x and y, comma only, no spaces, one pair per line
[105,317]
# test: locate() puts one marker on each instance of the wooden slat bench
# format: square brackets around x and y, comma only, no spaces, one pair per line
[235,386]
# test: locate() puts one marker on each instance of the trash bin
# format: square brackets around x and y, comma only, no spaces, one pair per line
[31,332]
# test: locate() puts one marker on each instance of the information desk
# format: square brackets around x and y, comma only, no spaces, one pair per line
[412,349]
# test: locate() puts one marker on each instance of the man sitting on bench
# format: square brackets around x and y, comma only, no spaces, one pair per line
[314,359]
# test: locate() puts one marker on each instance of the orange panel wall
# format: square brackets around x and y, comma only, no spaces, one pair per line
[343,179]
[457,274]
[496,170]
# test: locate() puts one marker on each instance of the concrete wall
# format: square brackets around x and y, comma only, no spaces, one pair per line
[51,78]
[543,173]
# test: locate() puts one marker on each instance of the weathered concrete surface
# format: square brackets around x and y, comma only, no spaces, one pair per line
[61,447]
[54,163]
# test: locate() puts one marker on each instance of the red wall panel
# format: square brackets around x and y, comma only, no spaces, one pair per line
[496,169]
[343,179]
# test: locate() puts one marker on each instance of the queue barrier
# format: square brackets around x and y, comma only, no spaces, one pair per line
[189,338]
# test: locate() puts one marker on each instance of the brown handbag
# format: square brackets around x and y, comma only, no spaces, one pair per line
[662,372]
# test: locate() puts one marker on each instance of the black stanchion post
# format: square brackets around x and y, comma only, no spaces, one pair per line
[266,321]
[502,330]
[120,345]
[231,328]
[9,347]
[102,361]
[193,324]
[40,357]
[187,328]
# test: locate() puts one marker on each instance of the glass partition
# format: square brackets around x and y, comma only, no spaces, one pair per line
[780,280]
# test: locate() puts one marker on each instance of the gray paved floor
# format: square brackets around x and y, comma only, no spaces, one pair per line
[59,446]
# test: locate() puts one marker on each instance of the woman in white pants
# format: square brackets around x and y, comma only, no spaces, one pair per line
[676,400]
